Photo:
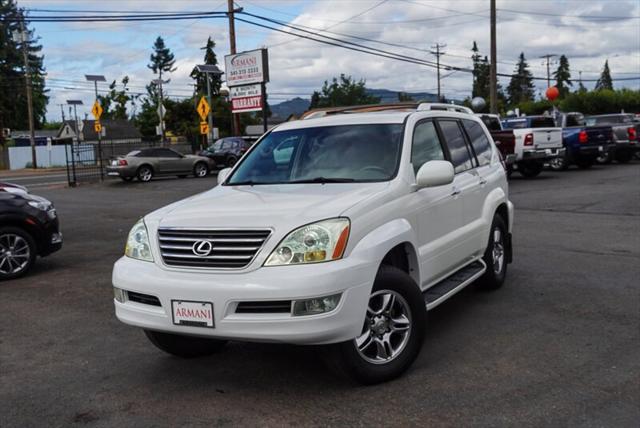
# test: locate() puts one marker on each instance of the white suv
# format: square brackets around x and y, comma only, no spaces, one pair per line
[342,230]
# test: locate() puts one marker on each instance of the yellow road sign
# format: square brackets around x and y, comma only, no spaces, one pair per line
[97,126]
[204,128]
[96,110]
[203,108]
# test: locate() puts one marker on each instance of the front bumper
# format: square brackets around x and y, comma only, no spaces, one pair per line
[225,290]
[542,154]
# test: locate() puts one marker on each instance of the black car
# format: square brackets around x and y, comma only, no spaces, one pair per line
[227,151]
[29,228]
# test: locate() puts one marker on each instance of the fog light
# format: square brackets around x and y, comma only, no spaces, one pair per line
[56,238]
[317,305]
[119,294]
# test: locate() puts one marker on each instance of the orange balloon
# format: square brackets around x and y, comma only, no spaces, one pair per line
[552,93]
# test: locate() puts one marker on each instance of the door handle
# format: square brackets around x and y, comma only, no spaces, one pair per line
[456,191]
[483,181]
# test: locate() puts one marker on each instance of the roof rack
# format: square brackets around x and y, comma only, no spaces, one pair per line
[444,107]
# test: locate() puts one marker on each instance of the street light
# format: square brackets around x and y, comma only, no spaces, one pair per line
[76,103]
[95,78]
[208,69]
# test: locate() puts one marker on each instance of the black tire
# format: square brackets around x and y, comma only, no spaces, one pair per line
[624,156]
[509,171]
[184,346]
[231,161]
[350,361]
[127,179]
[145,173]
[530,169]
[584,163]
[494,277]
[200,170]
[18,248]
[560,163]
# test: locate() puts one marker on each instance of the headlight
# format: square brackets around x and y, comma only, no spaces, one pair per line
[40,205]
[138,243]
[313,243]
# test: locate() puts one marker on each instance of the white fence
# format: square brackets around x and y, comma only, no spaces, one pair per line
[20,157]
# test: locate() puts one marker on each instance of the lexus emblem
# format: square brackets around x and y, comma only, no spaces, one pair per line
[202,248]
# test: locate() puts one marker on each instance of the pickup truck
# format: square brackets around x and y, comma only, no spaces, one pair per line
[537,141]
[625,136]
[504,138]
[583,144]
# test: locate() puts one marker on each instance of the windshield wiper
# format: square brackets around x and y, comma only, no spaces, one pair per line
[246,183]
[323,180]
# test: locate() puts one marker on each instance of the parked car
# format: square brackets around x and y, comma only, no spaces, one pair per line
[625,135]
[583,144]
[368,221]
[537,140]
[29,228]
[144,164]
[227,151]
[504,139]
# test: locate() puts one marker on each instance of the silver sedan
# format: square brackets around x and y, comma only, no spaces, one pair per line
[144,164]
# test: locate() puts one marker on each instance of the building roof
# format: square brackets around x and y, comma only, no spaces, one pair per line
[43,133]
[116,129]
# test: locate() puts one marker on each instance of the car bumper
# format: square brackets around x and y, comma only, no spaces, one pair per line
[120,171]
[51,238]
[225,290]
[542,154]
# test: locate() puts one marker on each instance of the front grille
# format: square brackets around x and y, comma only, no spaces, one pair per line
[268,307]
[230,249]
[145,299]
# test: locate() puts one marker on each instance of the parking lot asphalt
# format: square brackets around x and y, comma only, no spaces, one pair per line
[558,345]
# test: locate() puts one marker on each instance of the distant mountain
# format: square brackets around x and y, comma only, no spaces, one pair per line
[299,105]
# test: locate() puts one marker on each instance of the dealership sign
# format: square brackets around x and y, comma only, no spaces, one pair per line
[245,68]
[246,98]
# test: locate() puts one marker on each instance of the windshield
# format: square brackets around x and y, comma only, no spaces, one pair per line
[348,153]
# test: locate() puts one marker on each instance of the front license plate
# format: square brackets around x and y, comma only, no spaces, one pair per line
[600,148]
[194,314]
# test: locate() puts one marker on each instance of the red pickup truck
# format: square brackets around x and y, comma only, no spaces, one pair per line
[505,139]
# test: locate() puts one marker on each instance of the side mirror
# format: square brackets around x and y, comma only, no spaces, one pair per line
[510,159]
[435,173]
[223,174]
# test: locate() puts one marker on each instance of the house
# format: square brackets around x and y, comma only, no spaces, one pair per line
[116,131]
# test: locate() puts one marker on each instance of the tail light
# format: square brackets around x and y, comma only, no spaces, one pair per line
[583,137]
[528,140]
[122,162]
[632,134]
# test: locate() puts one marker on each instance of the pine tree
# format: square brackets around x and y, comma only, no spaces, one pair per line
[162,60]
[605,82]
[563,76]
[342,92]
[13,109]
[215,81]
[521,85]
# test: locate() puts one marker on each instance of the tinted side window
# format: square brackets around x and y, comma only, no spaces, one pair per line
[165,153]
[457,146]
[543,122]
[479,141]
[426,145]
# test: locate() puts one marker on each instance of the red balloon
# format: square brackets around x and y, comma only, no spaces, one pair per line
[552,93]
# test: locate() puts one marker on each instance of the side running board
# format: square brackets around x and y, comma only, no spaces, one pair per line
[453,283]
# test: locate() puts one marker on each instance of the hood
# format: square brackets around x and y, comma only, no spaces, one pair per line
[287,205]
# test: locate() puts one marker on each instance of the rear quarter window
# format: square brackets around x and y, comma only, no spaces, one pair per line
[460,157]
[479,141]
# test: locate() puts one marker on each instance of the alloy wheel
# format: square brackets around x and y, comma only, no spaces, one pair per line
[201,170]
[498,251]
[386,329]
[14,254]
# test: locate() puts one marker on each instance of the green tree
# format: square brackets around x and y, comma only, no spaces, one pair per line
[147,119]
[482,79]
[162,60]
[521,87]
[563,76]
[605,82]
[404,97]
[13,109]
[115,102]
[343,91]
[215,81]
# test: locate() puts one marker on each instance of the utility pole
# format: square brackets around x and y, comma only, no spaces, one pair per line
[493,72]
[548,57]
[437,53]
[62,111]
[232,46]
[158,83]
[24,39]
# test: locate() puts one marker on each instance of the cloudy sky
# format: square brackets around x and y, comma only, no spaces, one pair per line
[587,31]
